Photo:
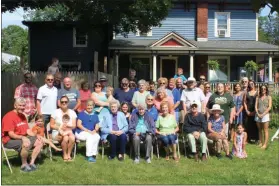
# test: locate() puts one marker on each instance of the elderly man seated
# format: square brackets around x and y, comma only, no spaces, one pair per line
[114,127]
[17,135]
[142,128]
[195,127]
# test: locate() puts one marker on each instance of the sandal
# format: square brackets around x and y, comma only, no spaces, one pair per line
[167,158]
[70,160]
[176,159]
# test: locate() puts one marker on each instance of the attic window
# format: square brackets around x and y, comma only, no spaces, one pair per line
[144,34]
[79,38]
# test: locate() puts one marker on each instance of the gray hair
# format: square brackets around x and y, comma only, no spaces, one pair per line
[142,81]
[114,102]
[148,96]
[90,101]
[20,100]
[141,106]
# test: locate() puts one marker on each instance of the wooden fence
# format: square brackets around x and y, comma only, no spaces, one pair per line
[10,81]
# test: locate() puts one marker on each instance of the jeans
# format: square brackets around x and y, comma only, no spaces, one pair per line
[168,139]
[117,140]
[46,121]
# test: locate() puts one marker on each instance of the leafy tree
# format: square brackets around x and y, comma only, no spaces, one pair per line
[15,41]
[269,29]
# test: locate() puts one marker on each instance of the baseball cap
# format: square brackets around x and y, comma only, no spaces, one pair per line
[194,102]
[103,78]
[191,79]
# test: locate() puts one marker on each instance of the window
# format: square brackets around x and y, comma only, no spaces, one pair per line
[69,66]
[80,38]
[144,34]
[223,74]
[222,24]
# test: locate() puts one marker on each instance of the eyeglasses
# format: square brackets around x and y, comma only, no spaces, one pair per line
[150,99]
[124,84]
[63,102]
[163,83]
[263,88]
[50,80]
[202,79]
[97,85]
[27,77]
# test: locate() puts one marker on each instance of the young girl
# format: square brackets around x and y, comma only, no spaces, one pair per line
[125,109]
[238,101]
[64,131]
[262,108]
[109,95]
[239,142]
[39,130]
[216,131]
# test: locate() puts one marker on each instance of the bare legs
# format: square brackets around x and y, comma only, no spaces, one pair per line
[263,134]
[36,151]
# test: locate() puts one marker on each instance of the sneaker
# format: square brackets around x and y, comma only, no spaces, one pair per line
[229,156]
[26,168]
[121,158]
[33,167]
[219,156]
[136,161]
[111,158]
[148,160]
[91,159]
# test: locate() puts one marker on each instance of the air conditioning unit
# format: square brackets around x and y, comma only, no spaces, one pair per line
[222,32]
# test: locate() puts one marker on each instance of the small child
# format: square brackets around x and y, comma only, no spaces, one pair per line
[180,74]
[67,132]
[109,95]
[39,130]
[240,142]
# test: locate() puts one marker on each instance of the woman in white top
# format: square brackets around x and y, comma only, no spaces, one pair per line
[140,95]
[67,142]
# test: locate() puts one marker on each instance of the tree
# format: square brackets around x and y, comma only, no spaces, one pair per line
[15,41]
[125,15]
[269,29]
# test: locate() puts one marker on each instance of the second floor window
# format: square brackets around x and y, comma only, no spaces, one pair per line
[222,24]
[144,34]
[79,38]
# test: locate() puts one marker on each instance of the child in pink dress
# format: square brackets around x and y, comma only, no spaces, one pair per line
[239,142]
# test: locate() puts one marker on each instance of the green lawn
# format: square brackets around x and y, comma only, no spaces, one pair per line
[261,167]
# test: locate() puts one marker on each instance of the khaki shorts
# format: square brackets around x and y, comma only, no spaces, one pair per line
[181,116]
[17,144]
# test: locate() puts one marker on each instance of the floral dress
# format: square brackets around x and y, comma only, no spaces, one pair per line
[239,145]
[238,100]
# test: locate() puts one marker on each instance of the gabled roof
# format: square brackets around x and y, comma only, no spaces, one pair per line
[173,39]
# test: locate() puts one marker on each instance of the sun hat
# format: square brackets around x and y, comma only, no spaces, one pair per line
[216,107]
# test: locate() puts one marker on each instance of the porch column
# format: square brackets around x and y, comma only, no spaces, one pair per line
[117,64]
[154,75]
[270,69]
[191,65]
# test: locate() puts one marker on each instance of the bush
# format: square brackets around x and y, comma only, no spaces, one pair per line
[274,122]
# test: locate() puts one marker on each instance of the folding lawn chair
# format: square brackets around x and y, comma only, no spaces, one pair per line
[6,157]
[275,136]
[157,146]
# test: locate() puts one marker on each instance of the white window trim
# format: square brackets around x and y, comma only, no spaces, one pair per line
[70,63]
[74,39]
[257,26]
[149,33]
[168,57]
[228,58]
[228,34]
[131,57]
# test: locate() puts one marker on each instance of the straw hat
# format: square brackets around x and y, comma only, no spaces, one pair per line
[216,107]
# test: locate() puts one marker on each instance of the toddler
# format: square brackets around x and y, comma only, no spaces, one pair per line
[109,95]
[239,142]
[65,123]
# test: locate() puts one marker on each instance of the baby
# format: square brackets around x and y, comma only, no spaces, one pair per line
[39,130]
[65,123]
[109,95]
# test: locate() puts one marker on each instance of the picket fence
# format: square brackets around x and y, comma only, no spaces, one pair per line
[9,82]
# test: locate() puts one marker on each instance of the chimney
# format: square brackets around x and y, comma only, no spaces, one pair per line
[202,21]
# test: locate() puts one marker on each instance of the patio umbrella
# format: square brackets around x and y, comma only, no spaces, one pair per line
[217,75]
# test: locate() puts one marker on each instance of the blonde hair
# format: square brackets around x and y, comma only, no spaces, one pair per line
[20,100]
[162,79]
[163,104]
[163,90]
[110,88]
[172,80]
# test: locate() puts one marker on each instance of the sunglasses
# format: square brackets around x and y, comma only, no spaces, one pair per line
[207,87]
[63,102]
[50,80]
[202,79]
[150,99]
[97,85]
[124,84]
[163,83]
[194,106]
[27,77]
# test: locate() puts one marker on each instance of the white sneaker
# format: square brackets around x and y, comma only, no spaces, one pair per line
[148,160]
[136,161]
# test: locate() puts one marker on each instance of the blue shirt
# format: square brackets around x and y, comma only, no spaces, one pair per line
[152,92]
[72,94]
[123,96]
[153,112]
[176,97]
[88,121]
[181,76]
[141,127]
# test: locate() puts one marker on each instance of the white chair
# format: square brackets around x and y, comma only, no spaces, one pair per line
[6,157]
[176,141]
[275,136]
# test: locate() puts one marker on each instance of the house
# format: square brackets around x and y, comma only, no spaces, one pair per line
[73,45]
[194,32]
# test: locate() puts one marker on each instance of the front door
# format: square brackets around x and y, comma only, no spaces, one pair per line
[168,67]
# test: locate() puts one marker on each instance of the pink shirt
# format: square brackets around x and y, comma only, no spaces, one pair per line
[157,104]
[84,96]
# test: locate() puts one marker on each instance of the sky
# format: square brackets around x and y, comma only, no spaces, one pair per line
[16,17]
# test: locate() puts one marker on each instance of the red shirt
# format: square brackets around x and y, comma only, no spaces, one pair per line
[84,96]
[13,122]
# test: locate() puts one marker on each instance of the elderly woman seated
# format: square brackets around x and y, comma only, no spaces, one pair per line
[114,127]
[87,130]
[195,127]
[166,128]
[142,128]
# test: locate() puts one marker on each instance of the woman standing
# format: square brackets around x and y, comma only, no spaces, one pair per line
[85,94]
[161,96]
[67,142]
[238,101]
[140,95]
[249,101]
[100,100]
[262,108]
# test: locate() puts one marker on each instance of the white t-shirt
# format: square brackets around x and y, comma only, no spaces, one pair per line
[48,97]
[58,114]
[188,96]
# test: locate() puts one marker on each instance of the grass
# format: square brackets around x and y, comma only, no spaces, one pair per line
[261,167]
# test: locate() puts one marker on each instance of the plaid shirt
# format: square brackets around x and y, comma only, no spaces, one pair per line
[29,92]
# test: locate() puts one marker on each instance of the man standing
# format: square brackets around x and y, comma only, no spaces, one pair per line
[124,94]
[71,93]
[47,99]
[132,75]
[17,135]
[192,93]
[244,83]
[103,82]
[28,91]
[202,80]
[57,80]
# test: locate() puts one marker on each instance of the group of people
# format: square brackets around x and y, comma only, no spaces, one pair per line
[136,114]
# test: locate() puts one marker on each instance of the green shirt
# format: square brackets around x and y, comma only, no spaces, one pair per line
[225,101]
[141,127]
[166,124]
